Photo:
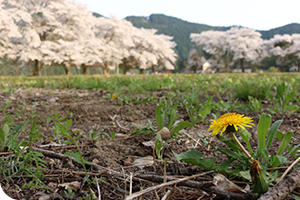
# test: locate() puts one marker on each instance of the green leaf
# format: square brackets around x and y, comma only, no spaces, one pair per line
[285,142]
[159,118]
[6,129]
[279,135]
[278,160]
[150,124]
[77,157]
[246,136]
[194,157]
[113,135]
[296,197]
[272,132]
[265,154]
[158,143]
[281,90]
[38,154]
[293,150]
[2,135]
[233,155]
[81,135]
[288,98]
[223,168]
[245,174]
[16,129]
[172,116]
[231,143]
[263,126]
[180,126]
[205,111]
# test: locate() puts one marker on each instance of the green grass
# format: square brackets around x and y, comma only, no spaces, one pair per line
[192,88]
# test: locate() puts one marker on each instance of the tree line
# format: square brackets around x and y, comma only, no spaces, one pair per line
[223,49]
[181,31]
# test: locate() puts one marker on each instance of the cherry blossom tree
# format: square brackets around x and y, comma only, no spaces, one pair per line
[195,60]
[213,43]
[278,46]
[294,49]
[116,35]
[9,31]
[50,23]
[153,51]
[242,43]
[245,45]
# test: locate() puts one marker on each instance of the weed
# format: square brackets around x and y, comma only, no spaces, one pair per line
[282,100]
[166,115]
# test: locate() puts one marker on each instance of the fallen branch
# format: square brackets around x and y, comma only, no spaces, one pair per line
[177,181]
[100,169]
[206,186]
[286,186]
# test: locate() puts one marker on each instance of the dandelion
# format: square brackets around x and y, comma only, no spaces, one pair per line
[114,96]
[229,123]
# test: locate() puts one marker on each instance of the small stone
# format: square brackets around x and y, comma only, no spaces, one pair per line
[165,133]
[95,161]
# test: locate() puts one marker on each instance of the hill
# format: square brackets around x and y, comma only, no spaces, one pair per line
[175,27]
[287,29]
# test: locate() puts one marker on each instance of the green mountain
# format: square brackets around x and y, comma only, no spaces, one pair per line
[175,27]
[287,29]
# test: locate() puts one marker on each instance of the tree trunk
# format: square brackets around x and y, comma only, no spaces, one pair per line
[195,69]
[117,69]
[106,72]
[242,65]
[16,67]
[84,69]
[142,71]
[281,68]
[153,69]
[37,68]
[67,68]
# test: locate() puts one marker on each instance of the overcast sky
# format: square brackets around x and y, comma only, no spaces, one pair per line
[255,14]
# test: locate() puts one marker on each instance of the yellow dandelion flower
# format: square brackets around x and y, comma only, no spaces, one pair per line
[229,123]
[114,96]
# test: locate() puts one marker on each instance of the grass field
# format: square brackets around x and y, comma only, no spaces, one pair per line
[75,137]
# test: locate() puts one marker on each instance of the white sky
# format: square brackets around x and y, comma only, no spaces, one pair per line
[255,14]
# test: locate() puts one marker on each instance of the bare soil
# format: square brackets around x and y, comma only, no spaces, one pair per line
[89,110]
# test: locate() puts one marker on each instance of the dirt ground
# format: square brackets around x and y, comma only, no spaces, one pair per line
[89,110]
